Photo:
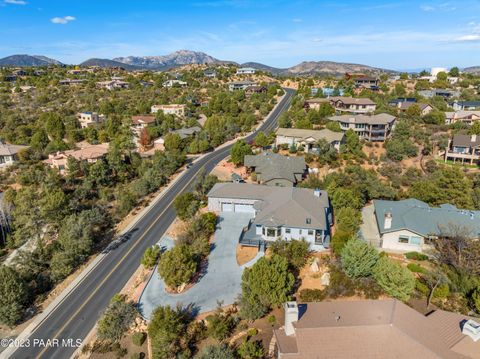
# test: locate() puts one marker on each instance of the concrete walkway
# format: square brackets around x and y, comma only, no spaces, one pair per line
[221,281]
[368,229]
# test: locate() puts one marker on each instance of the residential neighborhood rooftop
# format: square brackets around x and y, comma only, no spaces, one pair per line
[379,119]
[328,135]
[269,165]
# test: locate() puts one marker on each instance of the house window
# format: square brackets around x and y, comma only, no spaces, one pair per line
[310,232]
[415,240]
[271,232]
[403,239]
[263,230]
[287,230]
[300,232]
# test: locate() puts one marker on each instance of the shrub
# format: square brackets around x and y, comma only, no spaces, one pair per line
[395,280]
[150,257]
[358,258]
[295,251]
[369,287]
[116,319]
[416,268]
[186,205]
[139,338]
[221,351]
[271,320]
[421,287]
[348,219]
[251,350]
[476,299]
[340,284]
[340,238]
[442,291]
[416,256]
[169,269]
[252,332]
[312,295]
[220,324]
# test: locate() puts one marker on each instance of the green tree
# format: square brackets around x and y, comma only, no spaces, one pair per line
[358,258]
[261,140]
[169,269]
[266,284]
[14,296]
[348,219]
[476,299]
[220,351]
[173,141]
[220,324]
[394,279]
[295,251]
[454,72]
[150,257]
[333,126]
[169,334]
[344,197]
[116,319]
[250,349]
[186,205]
[238,152]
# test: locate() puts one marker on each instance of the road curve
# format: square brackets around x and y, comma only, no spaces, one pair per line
[77,314]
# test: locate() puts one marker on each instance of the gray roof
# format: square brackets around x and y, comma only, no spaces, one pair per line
[418,217]
[353,100]
[185,132]
[462,114]
[269,165]
[466,140]
[281,206]
[326,134]
[9,150]
[379,119]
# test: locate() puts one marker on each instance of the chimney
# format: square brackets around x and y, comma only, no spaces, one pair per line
[387,223]
[291,316]
[470,328]
[473,138]
[317,192]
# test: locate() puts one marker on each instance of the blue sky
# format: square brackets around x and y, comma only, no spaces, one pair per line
[391,34]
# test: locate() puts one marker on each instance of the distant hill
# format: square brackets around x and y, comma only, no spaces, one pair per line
[262,67]
[177,58]
[28,60]
[106,63]
[331,68]
[472,70]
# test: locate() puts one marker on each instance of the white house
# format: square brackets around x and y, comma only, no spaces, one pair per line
[245,71]
[174,83]
[89,119]
[174,109]
[277,212]
[412,225]
[9,154]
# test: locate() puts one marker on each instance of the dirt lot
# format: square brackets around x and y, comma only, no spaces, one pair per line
[245,254]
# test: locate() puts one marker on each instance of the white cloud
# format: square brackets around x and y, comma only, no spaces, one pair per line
[468,38]
[445,7]
[317,39]
[427,8]
[15,2]
[298,20]
[62,20]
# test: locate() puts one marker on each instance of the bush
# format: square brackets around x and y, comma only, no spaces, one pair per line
[416,268]
[348,220]
[220,324]
[251,350]
[339,239]
[415,256]
[395,280]
[252,332]
[116,319]
[369,287]
[13,295]
[476,299]
[312,295]
[170,269]
[150,257]
[295,251]
[340,284]
[139,338]
[186,205]
[442,291]
[422,288]
[358,258]
[271,320]
[221,351]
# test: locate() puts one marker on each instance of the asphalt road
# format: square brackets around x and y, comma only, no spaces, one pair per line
[77,314]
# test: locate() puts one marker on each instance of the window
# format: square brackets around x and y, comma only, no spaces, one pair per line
[271,232]
[310,232]
[415,240]
[300,232]
[263,230]
[287,230]
[403,239]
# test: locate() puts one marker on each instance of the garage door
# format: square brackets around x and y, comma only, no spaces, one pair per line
[227,207]
[244,208]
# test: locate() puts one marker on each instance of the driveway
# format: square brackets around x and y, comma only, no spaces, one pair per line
[222,280]
[369,229]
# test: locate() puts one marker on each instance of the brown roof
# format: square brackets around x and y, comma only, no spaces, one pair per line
[374,329]
[352,100]
[406,104]
[466,140]
[138,120]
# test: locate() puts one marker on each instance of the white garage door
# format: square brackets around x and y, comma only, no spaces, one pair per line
[227,207]
[244,208]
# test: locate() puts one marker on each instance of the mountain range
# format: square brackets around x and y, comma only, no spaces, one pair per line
[186,57]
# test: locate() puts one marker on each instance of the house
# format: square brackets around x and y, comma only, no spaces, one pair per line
[425,108]
[315,103]
[353,105]
[277,212]
[210,73]
[396,101]
[240,85]
[273,169]
[368,127]
[245,71]
[466,116]
[89,153]
[366,329]
[141,122]
[177,110]
[465,105]
[9,154]
[463,148]
[366,82]
[89,119]
[174,83]
[183,133]
[113,84]
[439,92]
[23,89]
[411,225]
[327,91]
[308,139]
[250,90]
[71,82]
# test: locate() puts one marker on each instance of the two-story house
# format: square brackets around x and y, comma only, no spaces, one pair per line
[89,119]
[141,122]
[353,105]
[245,71]
[174,109]
[463,148]
[368,127]
[240,85]
[308,139]
[465,105]
[88,153]
[276,212]
[466,116]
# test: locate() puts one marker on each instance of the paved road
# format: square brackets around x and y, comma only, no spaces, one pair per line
[78,313]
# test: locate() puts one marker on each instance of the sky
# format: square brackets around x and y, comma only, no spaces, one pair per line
[397,35]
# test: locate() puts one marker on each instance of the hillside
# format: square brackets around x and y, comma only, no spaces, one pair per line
[105,63]
[472,70]
[331,68]
[28,60]
[177,58]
